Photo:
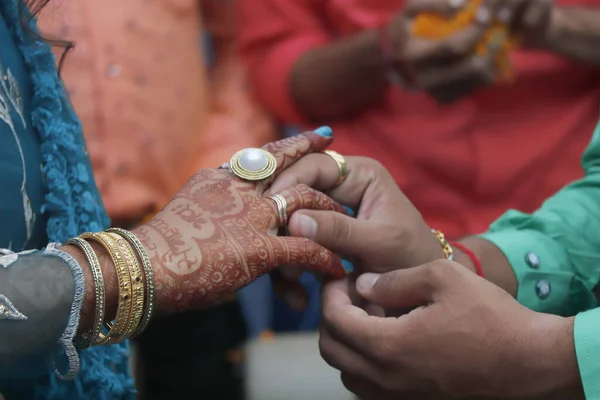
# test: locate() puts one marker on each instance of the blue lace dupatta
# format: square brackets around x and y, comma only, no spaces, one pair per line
[72,205]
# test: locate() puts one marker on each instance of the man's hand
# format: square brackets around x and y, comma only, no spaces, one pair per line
[464,337]
[447,68]
[530,20]
[388,232]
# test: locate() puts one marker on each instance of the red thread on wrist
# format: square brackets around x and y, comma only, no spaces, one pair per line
[471,256]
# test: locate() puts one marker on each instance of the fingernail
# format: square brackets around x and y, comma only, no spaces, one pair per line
[483,15]
[308,226]
[294,301]
[324,131]
[348,266]
[366,281]
[349,211]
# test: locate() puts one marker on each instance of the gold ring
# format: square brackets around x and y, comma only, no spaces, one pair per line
[341,163]
[253,164]
[281,203]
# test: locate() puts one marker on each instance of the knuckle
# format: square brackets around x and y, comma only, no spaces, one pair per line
[433,272]
[339,229]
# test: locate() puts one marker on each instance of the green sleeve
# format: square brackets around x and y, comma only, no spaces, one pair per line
[587,348]
[555,252]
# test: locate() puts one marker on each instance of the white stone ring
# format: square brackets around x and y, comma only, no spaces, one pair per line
[253,164]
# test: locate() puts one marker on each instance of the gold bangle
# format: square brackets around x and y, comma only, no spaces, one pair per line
[448,251]
[137,282]
[116,330]
[148,276]
[89,338]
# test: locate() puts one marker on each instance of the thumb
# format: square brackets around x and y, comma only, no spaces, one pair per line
[337,232]
[406,288]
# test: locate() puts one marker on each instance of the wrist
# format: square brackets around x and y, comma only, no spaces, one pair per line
[466,257]
[111,286]
[555,373]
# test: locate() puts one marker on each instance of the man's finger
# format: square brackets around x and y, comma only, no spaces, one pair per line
[338,232]
[317,170]
[352,325]
[406,288]
[306,254]
[288,151]
[343,358]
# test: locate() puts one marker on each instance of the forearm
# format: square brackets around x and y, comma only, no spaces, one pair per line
[574,32]
[339,79]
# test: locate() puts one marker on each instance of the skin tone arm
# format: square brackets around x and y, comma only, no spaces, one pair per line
[576,33]
[496,267]
[340,78]
[351,74]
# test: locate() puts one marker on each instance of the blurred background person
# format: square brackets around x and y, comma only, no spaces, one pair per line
[461,148]
[159,97]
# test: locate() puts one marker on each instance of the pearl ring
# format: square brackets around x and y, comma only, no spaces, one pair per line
[253,164]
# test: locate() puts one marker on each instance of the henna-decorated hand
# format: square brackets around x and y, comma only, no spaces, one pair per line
[219,233]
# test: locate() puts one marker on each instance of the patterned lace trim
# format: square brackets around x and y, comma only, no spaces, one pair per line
[68,336]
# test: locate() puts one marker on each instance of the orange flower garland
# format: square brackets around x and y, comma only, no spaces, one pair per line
[435,26]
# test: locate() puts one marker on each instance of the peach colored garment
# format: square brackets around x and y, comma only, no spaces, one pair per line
[138,81]
[239,120]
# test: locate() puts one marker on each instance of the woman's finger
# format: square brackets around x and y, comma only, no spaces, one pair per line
[302,197]
[306,254]
[288,151]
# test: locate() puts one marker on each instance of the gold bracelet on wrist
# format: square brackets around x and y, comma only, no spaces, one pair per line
[89,338]
[116,330]
[148,276]
[448,252]
[137,282]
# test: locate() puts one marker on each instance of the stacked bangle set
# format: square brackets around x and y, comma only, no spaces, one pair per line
[136,286]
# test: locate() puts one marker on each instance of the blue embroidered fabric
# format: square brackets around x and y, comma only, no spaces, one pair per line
[71,205]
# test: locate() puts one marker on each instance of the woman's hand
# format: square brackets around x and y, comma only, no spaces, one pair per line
[464,338]
[388,232]
[219,232]
[446,68]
